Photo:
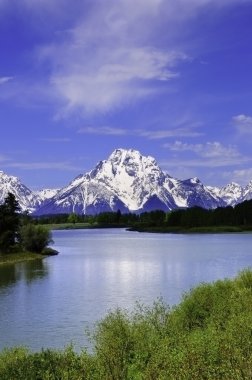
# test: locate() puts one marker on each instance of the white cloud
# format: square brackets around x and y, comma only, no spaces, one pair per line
[118,77]
[208,150]
[243,123]
[120,52]
[111,58]
[109,54]
[166,133]
[5,79]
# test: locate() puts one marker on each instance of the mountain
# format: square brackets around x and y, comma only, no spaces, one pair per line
[45,194]
[129,182]
[247,192]
[25,197]
[126,181]
[232,194]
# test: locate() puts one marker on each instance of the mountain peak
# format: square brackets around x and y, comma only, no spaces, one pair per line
[120,155]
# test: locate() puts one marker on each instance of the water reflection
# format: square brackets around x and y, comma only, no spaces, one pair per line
[27,271]
[8,275]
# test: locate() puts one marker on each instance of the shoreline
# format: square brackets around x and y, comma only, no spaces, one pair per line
[192,230]
[19,257]
[154,229]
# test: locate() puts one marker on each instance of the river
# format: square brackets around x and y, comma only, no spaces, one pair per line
[50,303]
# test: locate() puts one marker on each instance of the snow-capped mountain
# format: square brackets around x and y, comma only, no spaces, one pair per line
[131,182]
[192,192]
[247,192]
[27,199]
[231,194]
[24,196]
[45,194]
[126,181]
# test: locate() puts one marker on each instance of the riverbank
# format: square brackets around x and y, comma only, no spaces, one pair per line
[17,257]
[203,230]
[81,226]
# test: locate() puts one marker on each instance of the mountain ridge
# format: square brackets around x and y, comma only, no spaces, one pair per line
[126,181]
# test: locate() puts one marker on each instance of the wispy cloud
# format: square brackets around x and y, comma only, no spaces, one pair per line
[208,150]
[196,163]
[208,155]
[243,123]
[5,79]
[110,54]
[167,133]
[112,58]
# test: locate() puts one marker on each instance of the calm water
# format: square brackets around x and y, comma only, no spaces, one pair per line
[50,303]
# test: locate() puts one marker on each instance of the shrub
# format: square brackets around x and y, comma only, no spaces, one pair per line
[35,238]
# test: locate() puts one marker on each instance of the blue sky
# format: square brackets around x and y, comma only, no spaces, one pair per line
[171,78]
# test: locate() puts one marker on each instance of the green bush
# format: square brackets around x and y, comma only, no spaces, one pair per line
[35,238]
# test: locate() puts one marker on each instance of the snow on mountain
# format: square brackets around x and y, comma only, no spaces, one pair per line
[133,178]
[192,192]
[130,182]
[45,194]
[24,196]
[247,192]
[82,197]
[231,194]
[126,181]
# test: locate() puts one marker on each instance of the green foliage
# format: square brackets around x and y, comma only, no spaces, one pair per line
[72,218]
[207,336]
[19,364]
[35,238]
[9,223]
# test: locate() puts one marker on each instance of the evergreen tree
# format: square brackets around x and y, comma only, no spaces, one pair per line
[9,223]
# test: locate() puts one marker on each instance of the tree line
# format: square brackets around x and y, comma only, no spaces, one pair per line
[17,231]
[240,215]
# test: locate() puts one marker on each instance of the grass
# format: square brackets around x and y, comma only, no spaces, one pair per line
[13,258]
[68,226]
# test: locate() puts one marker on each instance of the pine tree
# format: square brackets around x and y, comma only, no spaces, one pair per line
[9,223]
